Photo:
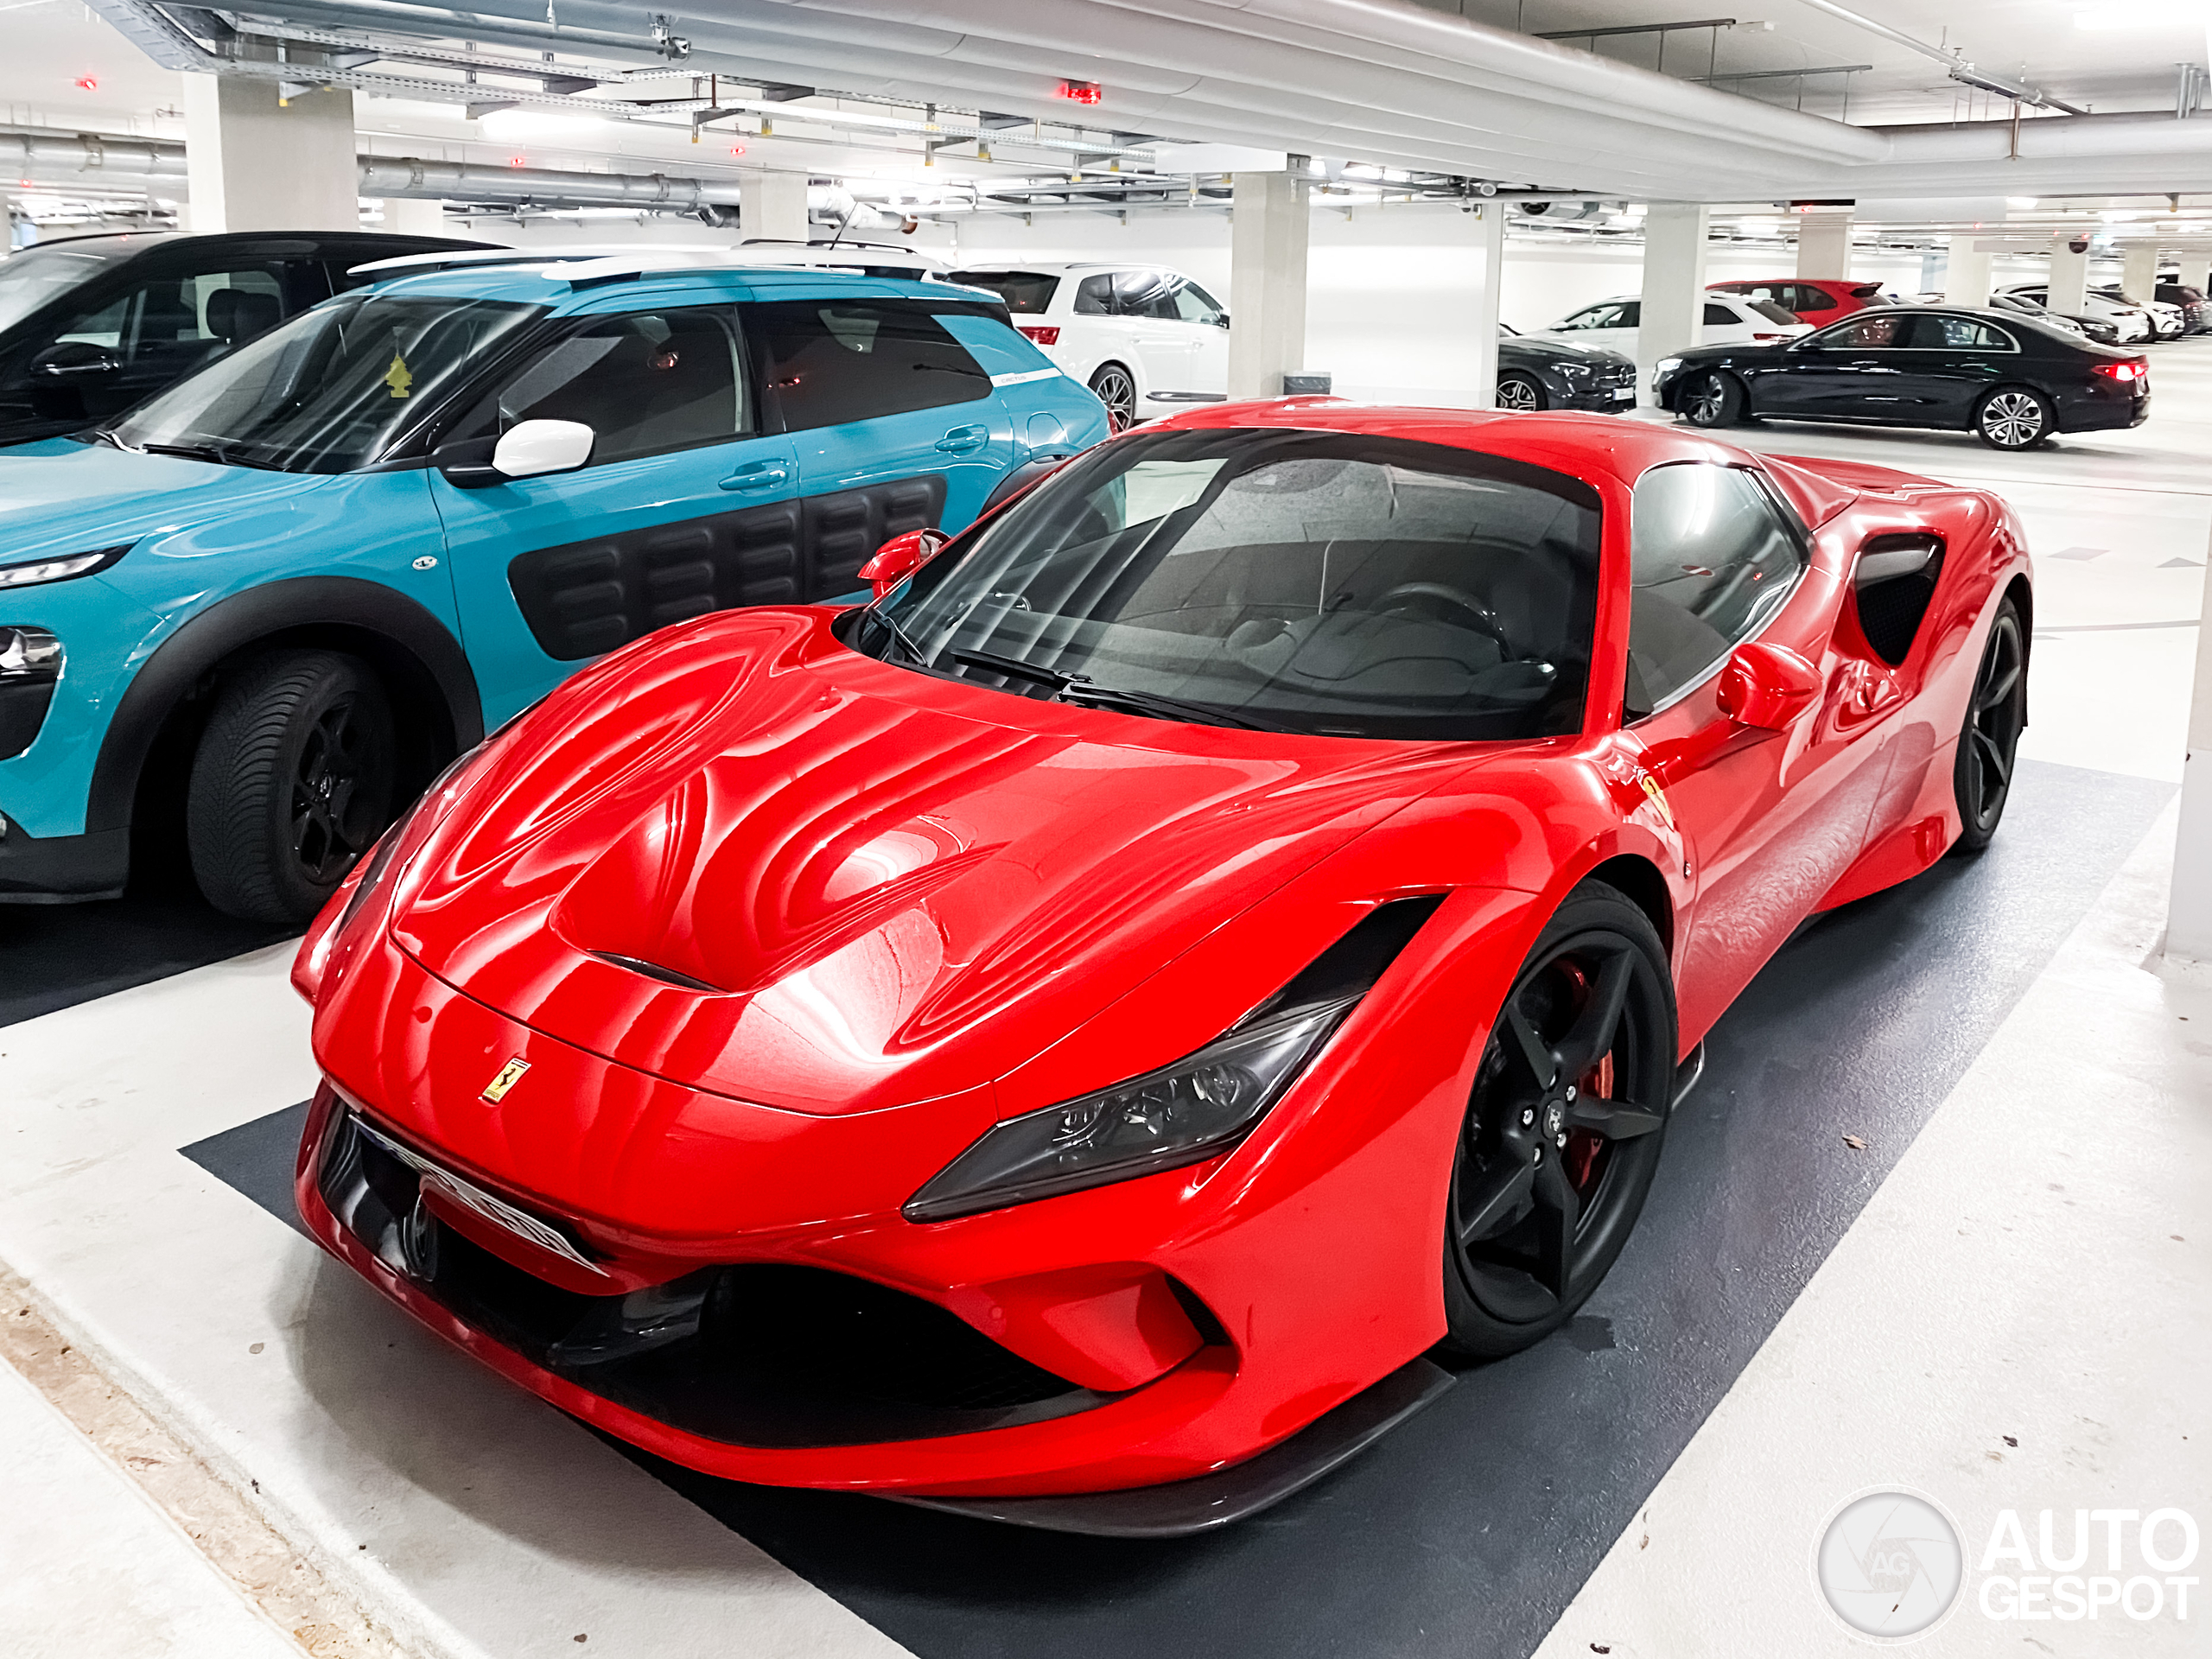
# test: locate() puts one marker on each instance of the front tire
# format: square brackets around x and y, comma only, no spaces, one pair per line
[1996,713]
[1714,400]
[1563,1127]
[2013,418]
[1117,388]
[1521,392]
[293,780]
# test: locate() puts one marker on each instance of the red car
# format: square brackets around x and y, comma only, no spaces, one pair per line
[1070,1040]
[1817,301]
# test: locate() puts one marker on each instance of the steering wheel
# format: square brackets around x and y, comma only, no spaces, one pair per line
[1485,618]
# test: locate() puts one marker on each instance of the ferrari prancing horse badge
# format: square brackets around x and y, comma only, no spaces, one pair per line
[510,1074]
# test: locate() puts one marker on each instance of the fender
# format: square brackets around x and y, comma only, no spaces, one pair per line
[346,612]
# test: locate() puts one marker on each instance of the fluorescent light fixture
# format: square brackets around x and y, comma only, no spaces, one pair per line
[513,125]
[2020,201]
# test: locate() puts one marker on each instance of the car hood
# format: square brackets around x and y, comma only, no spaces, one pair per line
[746,859]
[61,495]
[1529,349]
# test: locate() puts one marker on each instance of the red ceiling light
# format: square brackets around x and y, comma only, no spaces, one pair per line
[517,161]
[1081,92]
[86,83]
[737,149]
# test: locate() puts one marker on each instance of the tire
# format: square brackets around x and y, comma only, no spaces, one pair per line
[1996,713]
[1713,400]
[1520,391]
[292,782]
[2014,418]
[1545,1189]
[1117,388]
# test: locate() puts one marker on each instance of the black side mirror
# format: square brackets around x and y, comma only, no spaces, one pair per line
[467,464]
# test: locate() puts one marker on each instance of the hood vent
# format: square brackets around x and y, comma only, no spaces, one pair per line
[654,970]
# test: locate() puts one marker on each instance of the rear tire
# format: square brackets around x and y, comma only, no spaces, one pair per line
[1997,712]
[2014,418]
[1713,400]
[1550,1173]
[1117,388]
[293,780]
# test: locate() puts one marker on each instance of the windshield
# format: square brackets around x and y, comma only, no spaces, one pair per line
[1321,583]
[330,390]
[29,279]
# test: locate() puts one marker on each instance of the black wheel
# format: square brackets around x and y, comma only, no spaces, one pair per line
[292,782]
[1563,1129]
[1521,391]
[2013,417]
[1714,400]
[1117,389]
[1982,775]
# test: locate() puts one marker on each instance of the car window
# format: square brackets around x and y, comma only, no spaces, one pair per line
[1321,581]
[829,362]
[1094,297]
[172,323]
[646,383]
[1942,333]
[1711,560]
[1027,293]
[1874,331]
[1146,294]
[1774,313]
[1809,298]
[35,276]
[1194,304]
[1720,314]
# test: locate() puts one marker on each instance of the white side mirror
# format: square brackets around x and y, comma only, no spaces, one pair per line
[533,448]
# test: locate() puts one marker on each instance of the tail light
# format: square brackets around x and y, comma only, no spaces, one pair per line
[2122,371]
[1042,333]
[1769,336]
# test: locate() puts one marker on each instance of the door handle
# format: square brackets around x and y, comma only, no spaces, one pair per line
[758,475]
[962,439]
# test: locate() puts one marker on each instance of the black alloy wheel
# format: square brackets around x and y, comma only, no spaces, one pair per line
[1563,1129]
[2013,417]
[295,779]
[1118,392]
[1981,777]
[1714,400]
[1518,392]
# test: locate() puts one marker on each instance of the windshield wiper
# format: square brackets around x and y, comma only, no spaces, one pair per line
[900,637]
[221,454]
[1082,689]
[100,434]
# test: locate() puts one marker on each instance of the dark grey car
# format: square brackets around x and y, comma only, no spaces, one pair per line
[1551,374]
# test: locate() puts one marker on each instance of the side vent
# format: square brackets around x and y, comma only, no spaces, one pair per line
[1894,580]
[1356,961]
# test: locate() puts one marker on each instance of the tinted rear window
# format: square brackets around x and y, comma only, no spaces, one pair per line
[1026,292]
[829,362]
[1772,312]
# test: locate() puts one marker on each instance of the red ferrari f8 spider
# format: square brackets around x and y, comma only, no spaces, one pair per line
[1068,1041]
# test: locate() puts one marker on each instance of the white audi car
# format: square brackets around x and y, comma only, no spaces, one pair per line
[1729,319]
[1146,339]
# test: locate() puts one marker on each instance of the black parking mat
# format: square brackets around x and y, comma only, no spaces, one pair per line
[1466,1532]
[57,956]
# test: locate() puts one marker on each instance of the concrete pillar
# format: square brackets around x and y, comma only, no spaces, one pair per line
[1966,277]
[772,204]
[1267,229]
[405,216]
[2070,275]
[1673,314]
[2138,271]
[1490,283]
[257,162]
[2189,920]
[1824,247]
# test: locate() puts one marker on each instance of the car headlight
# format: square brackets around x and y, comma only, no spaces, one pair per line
[1179,1114]
[1571,370]
[1665,366]
[33,572]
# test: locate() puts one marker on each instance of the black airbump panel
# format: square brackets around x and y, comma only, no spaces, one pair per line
[584,598]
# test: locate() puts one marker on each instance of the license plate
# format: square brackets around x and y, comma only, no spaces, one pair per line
[1623,394]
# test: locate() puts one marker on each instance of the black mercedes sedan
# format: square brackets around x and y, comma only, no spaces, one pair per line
[2010,380]
[1552,374]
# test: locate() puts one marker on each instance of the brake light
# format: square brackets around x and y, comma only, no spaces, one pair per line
[1769,336]
[2120,370]
[1043,333]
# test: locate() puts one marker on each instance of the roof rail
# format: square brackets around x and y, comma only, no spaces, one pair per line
[589,267]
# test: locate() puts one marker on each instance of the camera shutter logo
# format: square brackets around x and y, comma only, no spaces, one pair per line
[1889,1565]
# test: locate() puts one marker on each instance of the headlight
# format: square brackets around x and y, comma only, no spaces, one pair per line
[1571,371]
[1179,1114]
[34,571]
[1664,366]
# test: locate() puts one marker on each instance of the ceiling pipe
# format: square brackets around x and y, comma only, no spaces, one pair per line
[1959,68]
[88,156]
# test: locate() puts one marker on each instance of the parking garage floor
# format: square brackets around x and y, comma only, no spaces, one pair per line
[225,1437]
